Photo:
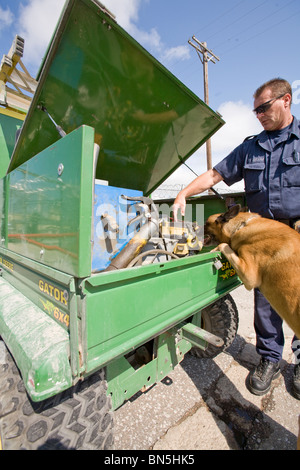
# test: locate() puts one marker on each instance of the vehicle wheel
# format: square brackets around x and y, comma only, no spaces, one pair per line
[220,319]
[77,419]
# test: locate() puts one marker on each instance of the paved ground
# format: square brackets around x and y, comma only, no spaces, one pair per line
[205,405]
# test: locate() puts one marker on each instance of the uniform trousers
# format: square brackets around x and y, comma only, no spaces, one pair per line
[268,328]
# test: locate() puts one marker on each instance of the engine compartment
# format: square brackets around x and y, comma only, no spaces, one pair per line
[131,230]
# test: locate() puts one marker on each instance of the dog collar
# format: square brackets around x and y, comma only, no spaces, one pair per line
[243,224]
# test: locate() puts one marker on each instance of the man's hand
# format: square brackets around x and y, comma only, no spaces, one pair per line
[200,184]
[179,203]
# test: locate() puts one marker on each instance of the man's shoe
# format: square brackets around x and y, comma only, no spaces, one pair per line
[260,379]
[296,382]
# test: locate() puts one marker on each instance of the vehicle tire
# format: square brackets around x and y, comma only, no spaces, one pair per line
[78,419]
[221,319]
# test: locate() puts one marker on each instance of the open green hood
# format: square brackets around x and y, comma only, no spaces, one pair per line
[146,121]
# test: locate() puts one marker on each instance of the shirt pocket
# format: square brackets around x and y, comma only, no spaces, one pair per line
[254,176]
[291,170]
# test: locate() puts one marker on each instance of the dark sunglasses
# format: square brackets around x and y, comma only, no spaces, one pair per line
[267,105]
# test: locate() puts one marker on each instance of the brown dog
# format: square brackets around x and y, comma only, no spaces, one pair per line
[265,254]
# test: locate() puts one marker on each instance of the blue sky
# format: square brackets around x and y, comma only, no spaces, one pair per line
[255,39]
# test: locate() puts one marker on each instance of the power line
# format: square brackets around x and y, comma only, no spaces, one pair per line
[187,68]
[212,22]
[262,32]
[238,19]
[255,24]
[219,17]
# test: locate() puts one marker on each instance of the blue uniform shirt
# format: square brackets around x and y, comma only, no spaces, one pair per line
[269,163]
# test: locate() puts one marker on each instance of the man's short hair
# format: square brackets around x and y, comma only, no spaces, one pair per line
[278,86]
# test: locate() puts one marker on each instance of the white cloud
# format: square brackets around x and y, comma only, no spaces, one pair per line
[37,22]
[176,53]
[150,40]
[240,123]
[126,11]
[127,15]
[38,18]
[6,18]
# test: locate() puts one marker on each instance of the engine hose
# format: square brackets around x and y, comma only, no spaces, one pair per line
[151,252]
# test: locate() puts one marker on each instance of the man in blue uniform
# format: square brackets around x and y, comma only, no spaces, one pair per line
[269,163]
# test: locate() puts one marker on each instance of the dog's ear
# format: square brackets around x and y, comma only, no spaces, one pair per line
[230,214]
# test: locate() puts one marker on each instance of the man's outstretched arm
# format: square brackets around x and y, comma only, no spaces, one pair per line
[199,185]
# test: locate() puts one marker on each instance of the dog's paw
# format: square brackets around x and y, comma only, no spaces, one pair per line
[220,247]
[297,226]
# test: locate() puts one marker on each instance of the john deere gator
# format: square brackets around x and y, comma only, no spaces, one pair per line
[101,292]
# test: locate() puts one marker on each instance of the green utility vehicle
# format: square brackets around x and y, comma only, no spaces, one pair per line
[101,293]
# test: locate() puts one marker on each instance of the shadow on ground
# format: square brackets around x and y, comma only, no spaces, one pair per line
[249,424]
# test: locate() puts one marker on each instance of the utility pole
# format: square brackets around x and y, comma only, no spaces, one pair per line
[205,56]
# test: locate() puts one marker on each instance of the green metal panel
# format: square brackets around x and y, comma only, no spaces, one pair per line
[8,128]
[49,212]
[125,309]
[3,201]
[124,380]
[45,287]
[146,121]
[38,344]
[52,291]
